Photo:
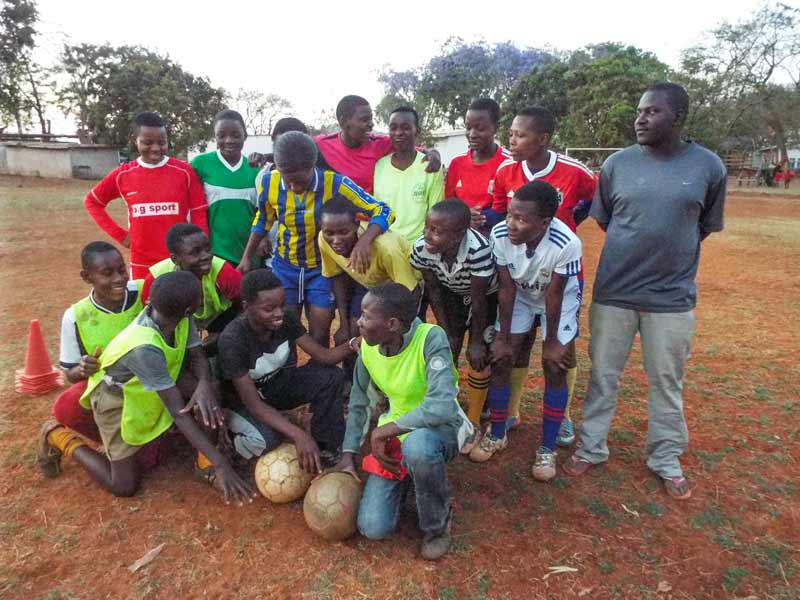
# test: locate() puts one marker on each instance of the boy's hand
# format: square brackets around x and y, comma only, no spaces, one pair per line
[307,452]
[501,349]
[434,160]
[378,447]
[233,487]
[361,255]
[89,363]
[244,265]
[127,241]
[555,352]
[346,464]
[476,219]
[264,248]
[342,336]
[477,355]
[210,410]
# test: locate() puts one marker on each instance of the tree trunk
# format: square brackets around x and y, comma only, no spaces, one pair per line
[37,103]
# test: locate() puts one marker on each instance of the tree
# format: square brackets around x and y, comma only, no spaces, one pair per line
[593,92]
[744,80]
[443,88]
[260,110]
[17,33]
[107,86]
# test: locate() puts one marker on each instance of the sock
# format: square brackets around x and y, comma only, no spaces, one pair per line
[555,399]
[518,377]
[202,461]
[65,440]
[498,409]
[572,375]
[477,388]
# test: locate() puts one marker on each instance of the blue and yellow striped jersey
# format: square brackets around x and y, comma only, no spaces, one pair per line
[298,214]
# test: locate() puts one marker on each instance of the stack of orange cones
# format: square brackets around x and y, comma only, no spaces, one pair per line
[39,376]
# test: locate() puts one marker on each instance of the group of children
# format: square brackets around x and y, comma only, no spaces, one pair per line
[202,336]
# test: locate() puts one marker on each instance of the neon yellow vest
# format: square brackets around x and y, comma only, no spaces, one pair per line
[98,328]
[213,303]
[144,416]
[402,376]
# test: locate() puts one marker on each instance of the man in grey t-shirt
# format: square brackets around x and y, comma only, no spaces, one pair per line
[656,201]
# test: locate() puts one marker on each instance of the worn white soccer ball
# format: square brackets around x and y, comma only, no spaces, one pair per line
[279,476]
[331,506]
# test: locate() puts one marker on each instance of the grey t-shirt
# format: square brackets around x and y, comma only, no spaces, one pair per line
[655,211]
[147,362]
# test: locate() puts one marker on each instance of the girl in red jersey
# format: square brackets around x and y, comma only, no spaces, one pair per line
[470,176]
[159,191]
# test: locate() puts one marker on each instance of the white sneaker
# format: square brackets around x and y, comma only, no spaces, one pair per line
[472,441]
[544,467]
[487,447]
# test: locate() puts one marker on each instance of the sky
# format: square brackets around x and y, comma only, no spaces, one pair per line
[313,53]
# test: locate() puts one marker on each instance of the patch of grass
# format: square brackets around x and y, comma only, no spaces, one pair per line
[448,593]
[772,557]
[606,567]
[321,587]
[653,509]
[57,594]
[733,577]
[726,539]
[711,517]
[762,393]
[484,583]
[622,435]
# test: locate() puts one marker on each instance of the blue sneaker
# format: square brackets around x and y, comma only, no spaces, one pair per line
[566,433]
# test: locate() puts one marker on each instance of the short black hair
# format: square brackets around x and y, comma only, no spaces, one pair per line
[177,232]
[489,105]
[230,115]
[347,107]
[677,96]
[454,209]
[545,121]
[542,193]
[172,293]
[339,205]
[288,124]
[407,109]
[94,249]
[294,151]
[396,301]
[258,280]
[147,119]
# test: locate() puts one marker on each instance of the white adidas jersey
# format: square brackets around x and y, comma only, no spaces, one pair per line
[558,252]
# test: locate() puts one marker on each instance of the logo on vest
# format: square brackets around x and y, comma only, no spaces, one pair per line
[437,363]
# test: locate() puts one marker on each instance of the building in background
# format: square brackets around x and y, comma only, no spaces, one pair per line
[57,159]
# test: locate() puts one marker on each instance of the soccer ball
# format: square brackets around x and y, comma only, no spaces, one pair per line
[331,506]
[279,476]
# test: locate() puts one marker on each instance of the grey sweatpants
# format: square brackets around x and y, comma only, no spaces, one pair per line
[666,340]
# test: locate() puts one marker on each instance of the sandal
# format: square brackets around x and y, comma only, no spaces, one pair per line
[575,466]
[677,487]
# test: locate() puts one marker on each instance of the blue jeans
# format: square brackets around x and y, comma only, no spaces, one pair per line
[425,454]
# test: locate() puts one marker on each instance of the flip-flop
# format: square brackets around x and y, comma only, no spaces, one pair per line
[575,466]
[677,487]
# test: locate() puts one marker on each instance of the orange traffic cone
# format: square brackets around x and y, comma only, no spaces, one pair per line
[39,376]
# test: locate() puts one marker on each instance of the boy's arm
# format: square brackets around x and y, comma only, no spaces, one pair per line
[340,288]
[602,207]
[552,349]
[262,223]
[499,198]
[501,347]
[379,212]
[198,207]
[358,410]
[203,395]
[229,282]
[326,356]
[476,351]
[95,203]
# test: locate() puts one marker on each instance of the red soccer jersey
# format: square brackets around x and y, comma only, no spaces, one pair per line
[573,180]
[473,183]
[158,196]
[356,163]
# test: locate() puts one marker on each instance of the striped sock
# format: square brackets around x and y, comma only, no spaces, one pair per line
[572,375]
[498,409]
[65,440]
[552,412]
[477,387]
[518,376]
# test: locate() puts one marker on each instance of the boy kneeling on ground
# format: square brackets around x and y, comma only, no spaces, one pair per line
[411,364]
[136,394]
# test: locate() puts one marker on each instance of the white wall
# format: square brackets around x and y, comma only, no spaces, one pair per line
[450,144]
[92,163]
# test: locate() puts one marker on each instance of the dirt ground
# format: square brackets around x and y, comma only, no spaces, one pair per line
[620,536]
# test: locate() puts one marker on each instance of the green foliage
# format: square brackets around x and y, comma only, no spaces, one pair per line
[108,85]
[17,40]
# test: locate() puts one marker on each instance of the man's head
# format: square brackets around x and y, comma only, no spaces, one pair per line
[229,134]
[103,267]
[295,157]
[445,226]
[530,211]
[176,295]
[403,128]
[355,119]
[287,124]
[150,137]
[661,114]
[339,225]
[263,299]
[387,311]
[531,132]
[481,121]
[189,248]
